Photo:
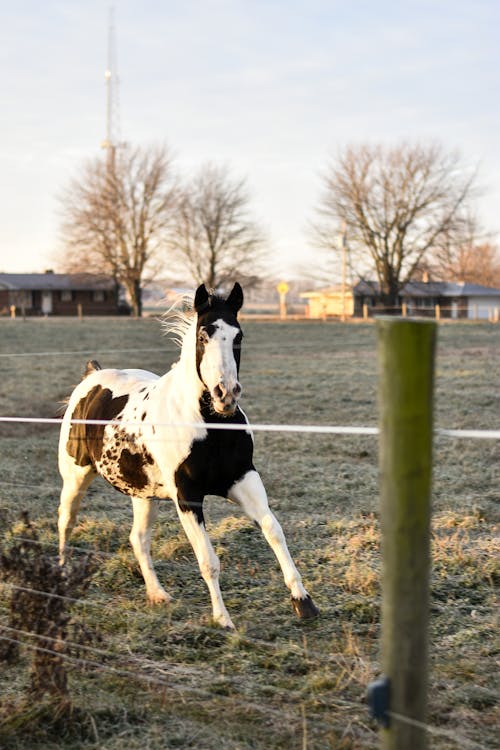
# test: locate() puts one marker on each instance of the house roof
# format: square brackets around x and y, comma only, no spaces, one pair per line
[55,281]
[430,289]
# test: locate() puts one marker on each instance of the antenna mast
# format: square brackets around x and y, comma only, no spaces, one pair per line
[110,143]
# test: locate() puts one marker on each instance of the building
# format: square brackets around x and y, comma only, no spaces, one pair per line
[443,299]
[329,302]
[59,294]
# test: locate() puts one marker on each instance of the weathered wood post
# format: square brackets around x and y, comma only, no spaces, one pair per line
[406,371]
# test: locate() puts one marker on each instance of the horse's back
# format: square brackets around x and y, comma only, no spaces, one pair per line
[102,395]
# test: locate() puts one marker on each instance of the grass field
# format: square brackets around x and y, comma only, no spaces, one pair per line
[275,683]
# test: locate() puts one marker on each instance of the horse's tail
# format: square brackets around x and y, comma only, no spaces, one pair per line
[91,366]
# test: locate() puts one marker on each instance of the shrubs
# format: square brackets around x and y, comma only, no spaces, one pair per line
[40,616]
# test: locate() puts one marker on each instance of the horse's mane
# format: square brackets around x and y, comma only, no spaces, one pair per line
[177,320]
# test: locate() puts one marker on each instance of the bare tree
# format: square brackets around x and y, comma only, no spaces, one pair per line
[467,255]
[397,205]
[213,234]
[116,215]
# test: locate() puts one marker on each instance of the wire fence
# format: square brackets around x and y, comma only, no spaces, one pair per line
[169,676]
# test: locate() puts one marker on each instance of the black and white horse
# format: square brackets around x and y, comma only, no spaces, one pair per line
[159,446]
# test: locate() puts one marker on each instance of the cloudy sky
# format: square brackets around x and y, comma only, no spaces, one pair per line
[271,88]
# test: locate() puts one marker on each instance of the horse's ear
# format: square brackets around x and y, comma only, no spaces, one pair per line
[201,298]
[235,299]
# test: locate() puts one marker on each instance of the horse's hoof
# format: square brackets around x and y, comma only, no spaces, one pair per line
[226,625]
[305,609]
[159,597]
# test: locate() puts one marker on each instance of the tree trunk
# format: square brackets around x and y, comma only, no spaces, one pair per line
[135,294]
[389,296]
[138,298]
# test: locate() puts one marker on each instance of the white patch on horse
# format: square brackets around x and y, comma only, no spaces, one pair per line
[218,367]
[158,446]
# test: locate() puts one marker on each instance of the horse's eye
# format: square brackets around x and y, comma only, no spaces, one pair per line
[202,337]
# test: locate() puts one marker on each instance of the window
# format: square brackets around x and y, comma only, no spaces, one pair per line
[98,295]
[66,295]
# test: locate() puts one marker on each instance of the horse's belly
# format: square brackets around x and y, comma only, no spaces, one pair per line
[131,469]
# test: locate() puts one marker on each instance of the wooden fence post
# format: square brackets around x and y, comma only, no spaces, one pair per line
[406,371]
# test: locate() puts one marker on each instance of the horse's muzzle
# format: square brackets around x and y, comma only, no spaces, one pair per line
[225,400]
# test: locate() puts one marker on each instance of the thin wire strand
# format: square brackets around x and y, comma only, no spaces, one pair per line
[71,548]
[331,659]
[97,665]
[50,595]
[80,646]
[86,352]
[438,731]
[172,347]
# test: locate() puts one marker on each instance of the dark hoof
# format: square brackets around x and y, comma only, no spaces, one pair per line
[305,609]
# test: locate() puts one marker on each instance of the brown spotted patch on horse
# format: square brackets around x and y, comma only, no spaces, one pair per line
[132,467]
[85,440]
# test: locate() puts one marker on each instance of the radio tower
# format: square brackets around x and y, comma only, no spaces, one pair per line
[111,141]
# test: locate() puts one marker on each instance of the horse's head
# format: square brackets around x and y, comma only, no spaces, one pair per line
[218,343]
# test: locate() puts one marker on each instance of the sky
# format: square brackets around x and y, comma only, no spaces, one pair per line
[272,89]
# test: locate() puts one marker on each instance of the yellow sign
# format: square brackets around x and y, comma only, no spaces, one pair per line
[282,287]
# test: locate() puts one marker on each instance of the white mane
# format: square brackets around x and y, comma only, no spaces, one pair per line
[177,320]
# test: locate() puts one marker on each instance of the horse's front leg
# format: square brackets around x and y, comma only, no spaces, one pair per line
[250,493]
[191,517]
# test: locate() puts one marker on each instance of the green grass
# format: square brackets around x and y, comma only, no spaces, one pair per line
[275,683]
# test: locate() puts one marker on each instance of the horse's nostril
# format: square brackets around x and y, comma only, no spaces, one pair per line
[237,390]
[219,392]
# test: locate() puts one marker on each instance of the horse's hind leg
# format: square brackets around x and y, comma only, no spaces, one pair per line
[250,493]
[145,514]
[76,480]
